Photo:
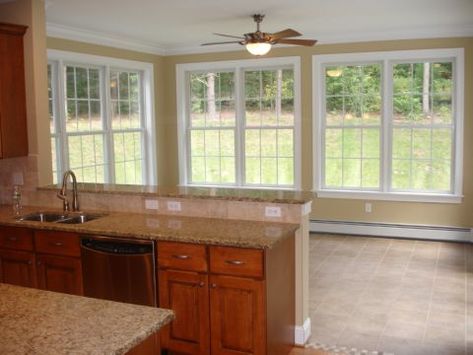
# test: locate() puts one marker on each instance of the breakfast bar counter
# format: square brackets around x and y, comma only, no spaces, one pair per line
[41,322]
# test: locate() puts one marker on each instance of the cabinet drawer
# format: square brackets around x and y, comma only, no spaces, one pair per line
[182,256]
[16,238]
[237,261]
[57,243]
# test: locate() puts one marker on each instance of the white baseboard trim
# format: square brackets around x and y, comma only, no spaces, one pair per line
[393,230]
[302,332]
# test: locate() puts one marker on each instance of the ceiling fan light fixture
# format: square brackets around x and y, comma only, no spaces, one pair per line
[258,48]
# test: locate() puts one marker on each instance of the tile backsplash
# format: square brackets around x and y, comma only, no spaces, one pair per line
[27,167]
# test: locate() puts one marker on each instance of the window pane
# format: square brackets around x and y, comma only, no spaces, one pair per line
[86,155]
[422,98]
[285,142]
[269,97]
[401,143]
[212,99]
[370,173]
[253,170]
[269,172]
[352,173]
[333,172]
[352,103]
[128,157]
[333,143]
[401,178]
[84,104]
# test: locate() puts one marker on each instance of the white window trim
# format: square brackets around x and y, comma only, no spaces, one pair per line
[235,65]
[318,95]
[147,85]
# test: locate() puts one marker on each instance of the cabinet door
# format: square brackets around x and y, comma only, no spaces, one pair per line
[237,316]
[17,268]
[187,294]
[13,132]
[60,274]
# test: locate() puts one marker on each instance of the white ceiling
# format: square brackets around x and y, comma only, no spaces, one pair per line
[180,26]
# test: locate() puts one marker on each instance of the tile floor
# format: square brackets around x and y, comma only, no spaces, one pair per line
[404,297]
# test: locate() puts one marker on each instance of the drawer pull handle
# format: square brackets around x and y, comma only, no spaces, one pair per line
[58,244]
[181,257]
[201,284]
[12,239]
[213,285]
[234,262]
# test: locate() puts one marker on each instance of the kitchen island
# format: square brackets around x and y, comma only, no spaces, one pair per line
[41,322]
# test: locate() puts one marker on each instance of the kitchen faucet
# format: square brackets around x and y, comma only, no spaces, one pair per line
[62,194]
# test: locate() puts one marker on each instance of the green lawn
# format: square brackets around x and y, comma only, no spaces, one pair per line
[352,156]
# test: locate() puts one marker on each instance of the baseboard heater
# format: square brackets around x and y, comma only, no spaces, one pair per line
[393,230]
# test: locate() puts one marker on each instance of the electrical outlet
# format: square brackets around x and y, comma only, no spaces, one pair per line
[368,207]
[174,206]
[271,211]
[17,178]
[151,204]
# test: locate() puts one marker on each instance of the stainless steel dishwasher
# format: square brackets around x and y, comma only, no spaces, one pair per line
[119,270]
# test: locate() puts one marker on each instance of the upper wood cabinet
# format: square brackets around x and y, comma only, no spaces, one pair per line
[13,132]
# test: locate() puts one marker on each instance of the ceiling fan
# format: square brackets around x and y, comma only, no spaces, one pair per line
[259,43]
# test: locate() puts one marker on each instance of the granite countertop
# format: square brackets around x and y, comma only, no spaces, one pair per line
[42,322]
[193,192]
[225,232]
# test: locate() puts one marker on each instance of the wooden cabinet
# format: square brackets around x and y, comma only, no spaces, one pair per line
[58,263]
[45,259]
[186,293]
[17,268]
[13,131]
[59,274]
[17,259]
[243,304]
[237,315]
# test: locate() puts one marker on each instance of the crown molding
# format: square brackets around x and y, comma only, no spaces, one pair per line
[105,39]
[101,38]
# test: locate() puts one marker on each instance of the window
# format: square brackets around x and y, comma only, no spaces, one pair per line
[101,119]
[239,122]
[389,125]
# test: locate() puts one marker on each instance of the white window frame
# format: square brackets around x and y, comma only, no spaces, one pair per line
[59,59]
[387,59]
[236,65]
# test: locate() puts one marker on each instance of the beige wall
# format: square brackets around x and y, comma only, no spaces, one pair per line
[329,209]
[31,14]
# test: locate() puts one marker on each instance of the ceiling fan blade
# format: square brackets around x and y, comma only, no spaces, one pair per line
[288,32]
[300,42]
[212,43]
[229,36]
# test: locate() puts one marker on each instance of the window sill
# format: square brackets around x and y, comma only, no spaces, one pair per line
[389,196]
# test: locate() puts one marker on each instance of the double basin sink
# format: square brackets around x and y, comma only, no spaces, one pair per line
[71,218]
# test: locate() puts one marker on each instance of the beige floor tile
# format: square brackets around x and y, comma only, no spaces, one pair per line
[359,340]
[395,293]
[405,330]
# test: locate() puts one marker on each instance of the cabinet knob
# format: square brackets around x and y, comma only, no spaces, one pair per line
[213,285]
[58,244]
[201,284]
[30,262]
[38,263]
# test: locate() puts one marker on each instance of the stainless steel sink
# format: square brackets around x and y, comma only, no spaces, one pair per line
[71,218]
[79,218]
[43,217]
